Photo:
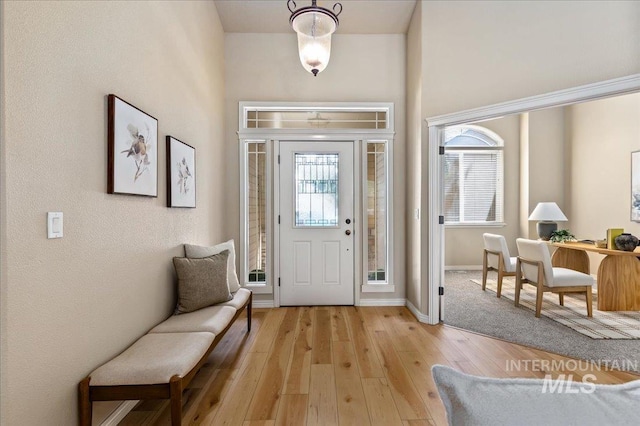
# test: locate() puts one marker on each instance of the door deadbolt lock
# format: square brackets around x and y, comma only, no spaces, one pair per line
[348,232]
[348,221]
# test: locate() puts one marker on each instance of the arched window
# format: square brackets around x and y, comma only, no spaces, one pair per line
[473,176]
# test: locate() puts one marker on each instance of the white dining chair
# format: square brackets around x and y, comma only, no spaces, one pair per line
[534,267]
[496,258]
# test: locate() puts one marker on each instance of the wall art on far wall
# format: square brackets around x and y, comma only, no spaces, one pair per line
[635,186]
[181,174]
[132,150]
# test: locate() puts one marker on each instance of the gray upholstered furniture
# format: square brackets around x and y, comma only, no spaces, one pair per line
[472,400]
[496,258]
[534,267]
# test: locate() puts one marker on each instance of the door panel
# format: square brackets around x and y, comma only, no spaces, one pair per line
[316,199]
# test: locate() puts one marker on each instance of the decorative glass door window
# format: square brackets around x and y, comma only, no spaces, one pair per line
[316,190]
[257,211]
[376,211]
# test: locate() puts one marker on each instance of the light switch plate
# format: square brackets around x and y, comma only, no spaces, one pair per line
[54,225]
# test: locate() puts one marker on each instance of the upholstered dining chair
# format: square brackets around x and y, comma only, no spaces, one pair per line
[534,267]
[496,258]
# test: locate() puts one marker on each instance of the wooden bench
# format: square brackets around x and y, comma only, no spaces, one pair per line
[163,362]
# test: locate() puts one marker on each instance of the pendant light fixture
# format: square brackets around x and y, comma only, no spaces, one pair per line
[314,25]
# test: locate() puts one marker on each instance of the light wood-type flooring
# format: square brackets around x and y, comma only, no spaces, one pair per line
[341,366]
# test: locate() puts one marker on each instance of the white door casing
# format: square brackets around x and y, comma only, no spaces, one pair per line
[316,223]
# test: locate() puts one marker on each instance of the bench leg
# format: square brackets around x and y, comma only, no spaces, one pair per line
[84,403]
[249,312]
[176,400]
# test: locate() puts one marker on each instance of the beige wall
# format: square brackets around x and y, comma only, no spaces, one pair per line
[547,163]
[602,135]
[415,125]
[463,246]
[480,53]
[363,68]
[72,303]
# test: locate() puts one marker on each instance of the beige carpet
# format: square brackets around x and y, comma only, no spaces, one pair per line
[603,324]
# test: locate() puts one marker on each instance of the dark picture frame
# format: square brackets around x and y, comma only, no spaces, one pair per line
[181,174]
[635,186]
[132,152]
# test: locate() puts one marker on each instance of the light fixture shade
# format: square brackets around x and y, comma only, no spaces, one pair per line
[548,211]
[314,26]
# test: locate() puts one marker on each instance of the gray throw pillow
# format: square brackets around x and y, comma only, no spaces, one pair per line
[201,282]
[472,400]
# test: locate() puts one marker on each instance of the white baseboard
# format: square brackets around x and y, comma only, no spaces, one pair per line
[463,268]
[382,302]
[262,303]
[419,315]
[119,413]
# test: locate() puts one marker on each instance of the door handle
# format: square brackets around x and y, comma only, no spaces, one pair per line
[348,232]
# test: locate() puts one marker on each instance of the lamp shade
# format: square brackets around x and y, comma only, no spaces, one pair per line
[314,26]
[548,211]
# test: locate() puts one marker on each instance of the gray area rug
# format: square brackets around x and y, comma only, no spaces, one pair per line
[468,307]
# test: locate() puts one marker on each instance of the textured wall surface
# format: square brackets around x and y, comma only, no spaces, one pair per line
[602,135]
[70,304]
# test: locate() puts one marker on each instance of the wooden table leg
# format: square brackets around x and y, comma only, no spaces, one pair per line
[578,260]
[619,284]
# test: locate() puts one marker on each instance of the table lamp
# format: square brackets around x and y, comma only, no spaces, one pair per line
[547,214]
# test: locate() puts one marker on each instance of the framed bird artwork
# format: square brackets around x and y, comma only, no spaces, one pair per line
[181,174]
[132,150]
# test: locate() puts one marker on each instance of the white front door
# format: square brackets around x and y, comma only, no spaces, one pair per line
[316,223]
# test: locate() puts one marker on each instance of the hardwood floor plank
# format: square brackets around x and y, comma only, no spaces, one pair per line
[259,423]
[352,405]
[420,372]
[368,362]
[420,422]
[405,395]
[401,331]
[243,341]
[339,330]
[267,377]
[264,404]
[299,369]
[372,319]
[235,404]
[321,352]
[292,410]
[268,330]
[382,408]
[322,407]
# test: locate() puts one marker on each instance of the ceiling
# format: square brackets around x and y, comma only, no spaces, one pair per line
[357,17]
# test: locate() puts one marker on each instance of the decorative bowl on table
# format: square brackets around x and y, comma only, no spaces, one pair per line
[601,243]
[626,242]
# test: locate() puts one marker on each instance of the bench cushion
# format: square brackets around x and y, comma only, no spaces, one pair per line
[213,319]
[240,297]
[154,359]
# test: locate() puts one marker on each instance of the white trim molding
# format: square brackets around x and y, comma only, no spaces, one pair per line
[463,268]
[416,313]
[383,302]
[378,288]
[589,92]
[262,304]
[119,413]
